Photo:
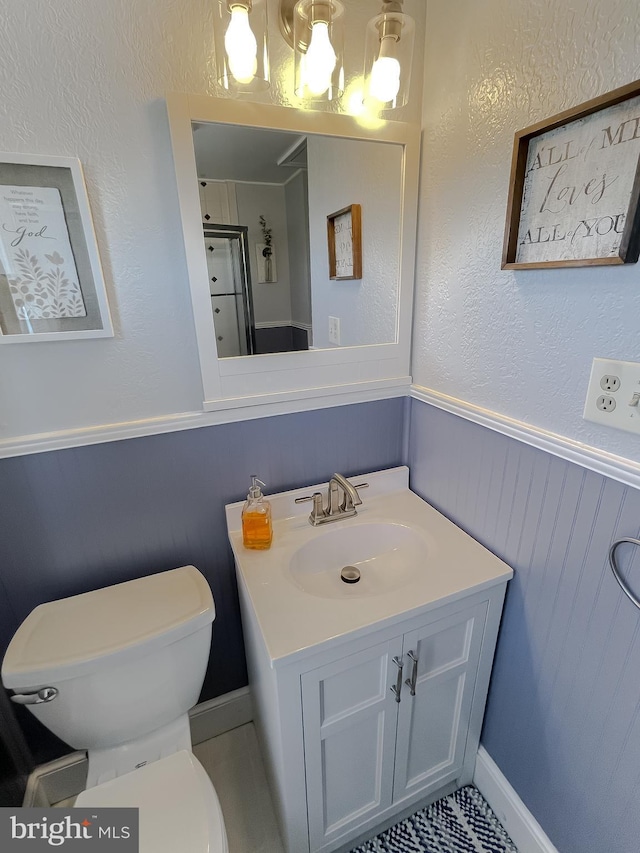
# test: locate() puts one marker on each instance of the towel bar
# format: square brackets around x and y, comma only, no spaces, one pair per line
[616,571]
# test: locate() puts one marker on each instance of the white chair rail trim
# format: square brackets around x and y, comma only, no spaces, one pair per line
[222,412]
[616,467]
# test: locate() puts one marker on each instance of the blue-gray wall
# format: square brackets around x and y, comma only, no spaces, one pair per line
[563,720]
[75,520]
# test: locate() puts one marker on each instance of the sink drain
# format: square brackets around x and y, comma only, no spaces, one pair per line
[350,574]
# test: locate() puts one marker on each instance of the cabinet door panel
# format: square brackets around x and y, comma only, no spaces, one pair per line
[434,722]
[432,725]
[356,749]
[350,720]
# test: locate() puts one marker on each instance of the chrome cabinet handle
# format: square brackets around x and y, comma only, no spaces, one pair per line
[411,682]
[397,687]
[37,697]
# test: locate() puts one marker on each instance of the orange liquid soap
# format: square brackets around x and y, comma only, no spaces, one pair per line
[257,529]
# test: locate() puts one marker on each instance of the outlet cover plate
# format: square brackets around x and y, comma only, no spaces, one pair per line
[334,331]
[623,415]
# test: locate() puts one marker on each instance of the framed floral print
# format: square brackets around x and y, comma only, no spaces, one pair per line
[51,283]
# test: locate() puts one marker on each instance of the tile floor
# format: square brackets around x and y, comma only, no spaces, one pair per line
[234,764]
[235,767]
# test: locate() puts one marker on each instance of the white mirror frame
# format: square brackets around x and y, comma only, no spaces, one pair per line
[282,382]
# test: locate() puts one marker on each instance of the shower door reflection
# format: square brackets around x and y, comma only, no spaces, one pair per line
[226,248]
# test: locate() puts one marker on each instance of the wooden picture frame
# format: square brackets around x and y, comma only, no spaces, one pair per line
[51,282]
[344,236]
[575,185]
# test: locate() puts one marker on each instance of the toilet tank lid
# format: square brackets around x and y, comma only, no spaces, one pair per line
[66,638]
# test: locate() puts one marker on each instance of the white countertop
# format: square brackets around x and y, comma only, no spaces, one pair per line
[293,621]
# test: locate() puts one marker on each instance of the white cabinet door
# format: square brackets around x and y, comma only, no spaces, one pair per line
[215,203]
[432,724]
[350,720]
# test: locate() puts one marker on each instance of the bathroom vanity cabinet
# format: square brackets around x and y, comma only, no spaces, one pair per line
[362,727]
[366,754]
[343,755]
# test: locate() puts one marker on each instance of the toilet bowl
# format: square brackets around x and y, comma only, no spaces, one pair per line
[178,806]
[115,672]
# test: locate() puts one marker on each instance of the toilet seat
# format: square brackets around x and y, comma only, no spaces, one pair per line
[179,807]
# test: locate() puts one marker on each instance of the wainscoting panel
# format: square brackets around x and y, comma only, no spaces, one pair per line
[79,519]
[563,721]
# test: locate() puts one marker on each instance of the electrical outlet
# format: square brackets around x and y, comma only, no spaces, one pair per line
[619,406]
[610,382]
[606,404]
[334,330]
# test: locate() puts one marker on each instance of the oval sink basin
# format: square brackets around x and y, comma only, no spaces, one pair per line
[388,555]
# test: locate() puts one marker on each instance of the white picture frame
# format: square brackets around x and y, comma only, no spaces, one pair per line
[51,282]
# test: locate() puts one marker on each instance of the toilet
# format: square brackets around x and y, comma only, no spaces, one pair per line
[115,672]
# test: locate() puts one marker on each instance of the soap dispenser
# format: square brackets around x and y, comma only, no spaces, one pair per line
[257,529]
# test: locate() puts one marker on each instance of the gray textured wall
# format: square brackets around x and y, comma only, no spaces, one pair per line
[75,520]
[563,720]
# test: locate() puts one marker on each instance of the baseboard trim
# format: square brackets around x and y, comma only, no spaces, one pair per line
[220,715]
[608,464]
[65,777]
[524,829]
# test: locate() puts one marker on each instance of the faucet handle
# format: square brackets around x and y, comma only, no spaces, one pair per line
[318,509]
[307,498]
[313,496]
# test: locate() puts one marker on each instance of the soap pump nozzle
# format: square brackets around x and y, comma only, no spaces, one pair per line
[255,492]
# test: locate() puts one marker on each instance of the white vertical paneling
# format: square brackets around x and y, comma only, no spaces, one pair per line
[563,719]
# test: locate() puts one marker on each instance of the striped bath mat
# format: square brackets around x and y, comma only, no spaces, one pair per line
[459,823]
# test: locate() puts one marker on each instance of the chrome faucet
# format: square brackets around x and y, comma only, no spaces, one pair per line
[342,500]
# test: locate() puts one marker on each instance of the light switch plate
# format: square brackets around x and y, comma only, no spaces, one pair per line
[613,396]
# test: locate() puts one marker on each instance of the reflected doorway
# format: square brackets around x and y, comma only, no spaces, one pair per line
[226,249]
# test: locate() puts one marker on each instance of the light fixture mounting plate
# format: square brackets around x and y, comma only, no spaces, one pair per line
[285,19]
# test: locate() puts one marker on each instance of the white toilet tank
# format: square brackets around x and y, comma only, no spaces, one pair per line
[126,660]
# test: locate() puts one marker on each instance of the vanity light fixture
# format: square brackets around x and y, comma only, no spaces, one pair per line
[241,45]
[387,57]
[315,31]
[318,37]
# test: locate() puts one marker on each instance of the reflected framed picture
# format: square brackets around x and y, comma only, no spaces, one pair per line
[51,282]
[344,236]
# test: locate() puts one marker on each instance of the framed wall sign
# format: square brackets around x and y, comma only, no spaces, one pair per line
[575,183]
[51,284]
[344,234]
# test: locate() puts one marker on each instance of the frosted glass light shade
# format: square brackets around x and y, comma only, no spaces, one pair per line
[387,59]
[241,46]
[318,36]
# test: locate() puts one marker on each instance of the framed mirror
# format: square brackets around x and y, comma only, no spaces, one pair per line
[256,186]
